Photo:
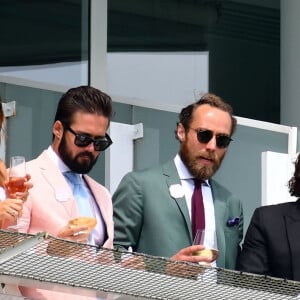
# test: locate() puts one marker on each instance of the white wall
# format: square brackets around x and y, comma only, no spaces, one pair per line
[65,74]
[277,169]
[144,78]
[133,78]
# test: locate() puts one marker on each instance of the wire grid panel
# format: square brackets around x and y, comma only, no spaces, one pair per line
[9,239]
[61,262]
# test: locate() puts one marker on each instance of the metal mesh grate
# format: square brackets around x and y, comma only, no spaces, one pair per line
[55,261]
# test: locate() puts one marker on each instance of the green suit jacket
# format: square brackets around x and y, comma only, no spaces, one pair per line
[148,219]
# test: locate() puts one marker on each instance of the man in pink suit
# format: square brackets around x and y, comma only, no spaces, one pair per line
[79,135]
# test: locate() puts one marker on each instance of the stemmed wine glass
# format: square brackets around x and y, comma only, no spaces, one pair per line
[17,176]
[88,220]
[15,187]
[208,239]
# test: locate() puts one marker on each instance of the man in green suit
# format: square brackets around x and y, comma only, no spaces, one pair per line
[153,209]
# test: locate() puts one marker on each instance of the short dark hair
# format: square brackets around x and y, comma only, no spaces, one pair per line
[186,114]
[83,98]
[294,182]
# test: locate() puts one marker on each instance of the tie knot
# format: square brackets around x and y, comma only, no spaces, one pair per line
[197,182]
[73,177]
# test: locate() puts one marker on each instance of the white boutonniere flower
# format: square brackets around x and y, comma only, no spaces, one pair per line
[176,191]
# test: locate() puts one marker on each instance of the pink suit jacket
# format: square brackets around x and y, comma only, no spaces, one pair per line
[50,204]
[49,207]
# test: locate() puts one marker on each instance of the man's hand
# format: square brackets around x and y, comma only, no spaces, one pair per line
[75,233]
[188,254]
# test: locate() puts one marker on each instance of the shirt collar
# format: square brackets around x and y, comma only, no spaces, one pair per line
[57,160]
[183,171]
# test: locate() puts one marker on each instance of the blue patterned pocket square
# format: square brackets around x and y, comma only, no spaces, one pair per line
[233,222]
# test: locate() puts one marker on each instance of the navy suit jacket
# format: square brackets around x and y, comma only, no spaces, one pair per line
[272,242]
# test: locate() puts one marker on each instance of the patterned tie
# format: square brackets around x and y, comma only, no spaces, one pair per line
[80,194]
[198,216]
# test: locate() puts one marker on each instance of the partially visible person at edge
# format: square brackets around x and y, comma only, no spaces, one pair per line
[79,136]
[272,245]
[152,208]
[10,207]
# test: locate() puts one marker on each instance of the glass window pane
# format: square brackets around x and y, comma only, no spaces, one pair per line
[45,41]
[241,37]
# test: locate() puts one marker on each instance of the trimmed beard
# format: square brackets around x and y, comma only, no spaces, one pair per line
[197,170]
[74,163]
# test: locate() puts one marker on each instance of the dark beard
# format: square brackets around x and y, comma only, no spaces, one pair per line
[73,163]
[197,171]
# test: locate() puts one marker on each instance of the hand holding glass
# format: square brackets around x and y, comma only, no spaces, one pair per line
[88,222]
[209,242]
[15,186]
[81,221]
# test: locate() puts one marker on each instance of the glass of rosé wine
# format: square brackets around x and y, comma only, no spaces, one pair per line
[17,176]
[15,186]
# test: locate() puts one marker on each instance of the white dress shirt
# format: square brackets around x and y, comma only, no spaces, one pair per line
[187,182]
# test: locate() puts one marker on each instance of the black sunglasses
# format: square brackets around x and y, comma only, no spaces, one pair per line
[205,135]
[83,140]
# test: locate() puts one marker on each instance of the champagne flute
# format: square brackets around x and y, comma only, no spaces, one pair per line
[15,187]
[207,238]
[17,176]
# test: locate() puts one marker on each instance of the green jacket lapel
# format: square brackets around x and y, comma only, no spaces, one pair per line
[220,220]
[172,178]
